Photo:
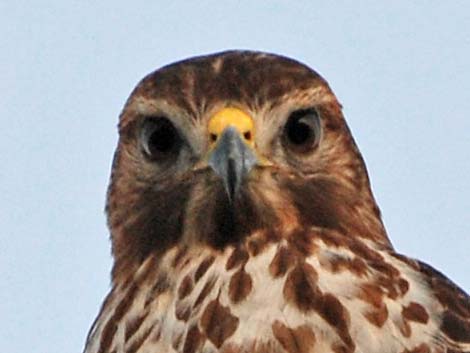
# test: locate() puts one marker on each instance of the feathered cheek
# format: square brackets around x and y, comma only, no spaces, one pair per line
[269,195]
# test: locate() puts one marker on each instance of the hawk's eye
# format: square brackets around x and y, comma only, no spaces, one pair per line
[159,138]
[302,130]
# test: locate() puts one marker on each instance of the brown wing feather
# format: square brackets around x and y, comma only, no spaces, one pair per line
[455,323]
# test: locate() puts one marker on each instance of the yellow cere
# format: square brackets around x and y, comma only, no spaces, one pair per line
[232,117]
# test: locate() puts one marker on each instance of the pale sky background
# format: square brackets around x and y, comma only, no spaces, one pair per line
[401,71]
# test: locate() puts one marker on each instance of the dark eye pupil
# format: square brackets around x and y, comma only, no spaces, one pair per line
[303,129]
[299,132]
[160,137]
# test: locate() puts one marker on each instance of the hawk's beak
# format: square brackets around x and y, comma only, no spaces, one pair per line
[232,156]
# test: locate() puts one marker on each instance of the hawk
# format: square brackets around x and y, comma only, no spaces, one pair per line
[242,220]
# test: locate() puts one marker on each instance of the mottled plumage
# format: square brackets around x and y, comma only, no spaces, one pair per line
[266,239]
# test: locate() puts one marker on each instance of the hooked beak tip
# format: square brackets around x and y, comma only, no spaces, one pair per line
[232,159]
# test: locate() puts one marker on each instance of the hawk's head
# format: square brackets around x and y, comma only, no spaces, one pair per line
[230,148]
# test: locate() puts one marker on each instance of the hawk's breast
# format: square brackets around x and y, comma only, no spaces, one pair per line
[270,297]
